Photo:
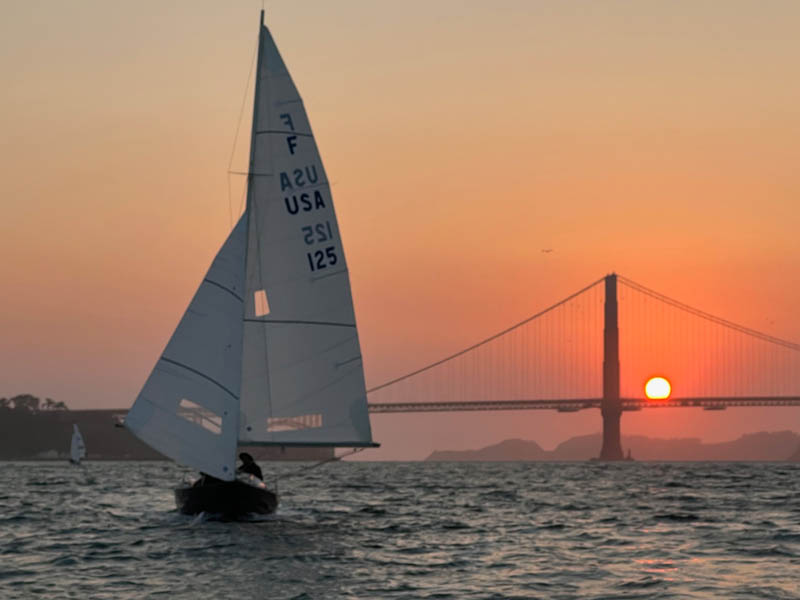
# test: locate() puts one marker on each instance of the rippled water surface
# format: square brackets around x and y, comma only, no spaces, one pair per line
[409,530]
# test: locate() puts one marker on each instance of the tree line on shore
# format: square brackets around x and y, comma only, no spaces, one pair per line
[31,403]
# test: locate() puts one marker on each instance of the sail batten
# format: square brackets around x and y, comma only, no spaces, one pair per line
[290,132]
[297,322]
[203,375]
[222,287]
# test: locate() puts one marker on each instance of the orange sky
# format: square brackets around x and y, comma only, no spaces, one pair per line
[656,139]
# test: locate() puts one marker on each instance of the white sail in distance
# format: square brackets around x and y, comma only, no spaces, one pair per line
[77,449]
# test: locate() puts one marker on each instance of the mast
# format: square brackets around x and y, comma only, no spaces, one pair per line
[250,192]
[254,125]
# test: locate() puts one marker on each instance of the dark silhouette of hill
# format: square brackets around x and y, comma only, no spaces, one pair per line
[518,449]
[34,430]
[29,434]
[762,446]
[796,456]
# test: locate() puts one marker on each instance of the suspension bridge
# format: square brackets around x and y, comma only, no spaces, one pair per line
[573,355]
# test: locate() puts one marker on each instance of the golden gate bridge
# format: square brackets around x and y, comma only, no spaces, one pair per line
[596,349]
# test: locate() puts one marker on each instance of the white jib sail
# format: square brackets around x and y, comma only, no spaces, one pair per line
[302,377]
[77,449]
[189,407]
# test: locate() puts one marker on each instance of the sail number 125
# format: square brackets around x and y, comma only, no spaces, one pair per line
[320,259]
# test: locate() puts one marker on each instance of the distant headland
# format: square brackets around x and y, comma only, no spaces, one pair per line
[762,446]
[35,429]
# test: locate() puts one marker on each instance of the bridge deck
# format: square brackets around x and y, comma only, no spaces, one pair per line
[574,405]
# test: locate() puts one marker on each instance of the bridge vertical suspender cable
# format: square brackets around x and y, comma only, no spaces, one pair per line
[484,341]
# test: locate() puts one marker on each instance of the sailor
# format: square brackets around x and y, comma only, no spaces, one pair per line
[249,466]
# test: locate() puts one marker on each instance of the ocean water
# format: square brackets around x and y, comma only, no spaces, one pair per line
[409,530]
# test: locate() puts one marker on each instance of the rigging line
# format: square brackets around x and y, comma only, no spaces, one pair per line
[238,128]
[302,470]
[242,201]
[487,340]
[253,206]
[709,317]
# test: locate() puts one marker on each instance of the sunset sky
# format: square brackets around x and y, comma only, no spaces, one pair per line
[659,140]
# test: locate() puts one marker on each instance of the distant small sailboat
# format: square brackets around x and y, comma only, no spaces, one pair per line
[267,353]
[77,449]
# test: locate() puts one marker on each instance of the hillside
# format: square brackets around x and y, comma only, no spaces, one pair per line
[796,456]
[762,446]
[27,434]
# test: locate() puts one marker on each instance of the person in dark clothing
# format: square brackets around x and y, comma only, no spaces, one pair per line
[249,466]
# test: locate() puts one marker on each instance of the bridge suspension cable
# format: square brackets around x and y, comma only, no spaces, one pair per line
[554,358]
[703,355]
[484,341]
[708,316]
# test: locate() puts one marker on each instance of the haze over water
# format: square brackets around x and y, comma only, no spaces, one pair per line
[403,530]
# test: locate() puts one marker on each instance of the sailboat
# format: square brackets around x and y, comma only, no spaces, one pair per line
[267,353]
[77,449]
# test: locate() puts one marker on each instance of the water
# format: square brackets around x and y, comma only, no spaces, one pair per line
[410,530]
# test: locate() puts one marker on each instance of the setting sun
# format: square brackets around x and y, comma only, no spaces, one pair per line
[657,388]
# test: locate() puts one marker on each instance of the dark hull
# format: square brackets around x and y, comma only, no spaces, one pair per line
[230,499]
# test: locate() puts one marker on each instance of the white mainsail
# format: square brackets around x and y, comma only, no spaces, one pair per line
[268,351]
[302,378]
[77,449]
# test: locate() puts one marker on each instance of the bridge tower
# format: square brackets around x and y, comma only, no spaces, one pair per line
[611,406]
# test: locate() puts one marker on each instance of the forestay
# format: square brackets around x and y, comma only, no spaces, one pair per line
[302,375]
[189,407]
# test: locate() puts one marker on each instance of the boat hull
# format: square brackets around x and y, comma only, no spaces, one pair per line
[229,499]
